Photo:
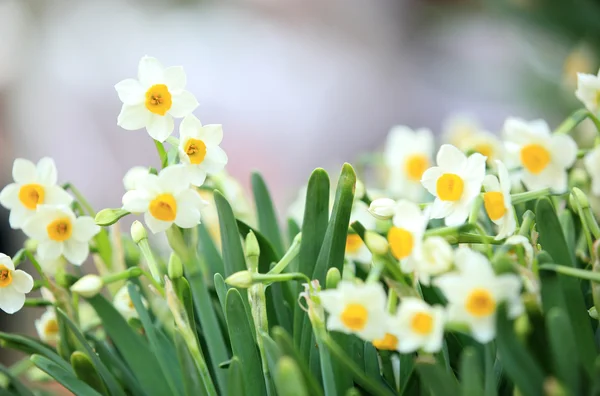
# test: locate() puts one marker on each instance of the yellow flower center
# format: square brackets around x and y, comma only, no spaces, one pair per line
[355,316]
[195,150]
[388,342]
[60,229]
[480,303]
[422,323]
[51,327]
[401,242]
[353,243]
[164,207]
[415,165]
[5,276]
[31,195]
[535,158]
[449,187]
[158,99]
[494,204]
[484,149]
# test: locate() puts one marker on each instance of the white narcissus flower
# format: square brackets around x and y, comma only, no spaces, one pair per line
[133,176]
[497,202]
[51,267]
[544,157]
[59,232]
[484,143]
[165,199]
[33,186]
[199,149]
[154,99]
[435,258]
[47,327]
[356,308]
[356,250]
[588,91]
[14,284]
[124,305]
[407,155]
[592,165]
[475,291]
[382,208]
[459,128]
[406,234]
[417,325]
[455,182]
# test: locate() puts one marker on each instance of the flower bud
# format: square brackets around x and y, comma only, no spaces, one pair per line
[376,243]
[108,217]
[88,286]
[581,198]
[175,268]
[138,232]
[383,208]
[359,190]
[333,278]
[241,279]
[31,245]
[252,248]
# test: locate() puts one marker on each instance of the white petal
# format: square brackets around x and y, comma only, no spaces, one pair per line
[563,150]
[50,250]
[135,201]
[440,209]
[156,225]
[197,175]
[504,177]
[46,171]
[188,216]
[212,134]
[24,171]
[11,300]
[183,104]
[451,159]
[215,160]
[150,72]
[191,197]
[133,117]
[430,178]
[491,183]
[470,261]
[484,329]
[22,281]
[189,128]
[133,176]
[458,216]
[175,78]
[174,179]
[55,195]
[76,252]
[9,196]
[7,261]
[160,127]
[409,216]
[130,91]
[85,229]
[18,216]
[452,285]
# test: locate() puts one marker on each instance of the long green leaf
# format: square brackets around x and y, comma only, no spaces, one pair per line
[435,377]
[208,250]
[288,378]
[64,377]
[236,378]
[31,346]
[15,383]
[471,377]
[564,349]
[231,245]
[267,217]
[85,371]
[192,383]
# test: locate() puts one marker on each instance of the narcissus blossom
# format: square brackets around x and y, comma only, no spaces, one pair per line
[356,308]
[417,325]
[165,199]
[47,327]
[435,258]
[124,305]
[154,99]
[59,232]
[592,165]
[133,176]
[544,157]
[497,201]
[406,233]
[475,291]
[588,91]
[455,182]
[34,185]
[14,284]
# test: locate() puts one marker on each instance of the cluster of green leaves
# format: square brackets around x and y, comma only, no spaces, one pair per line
[551,350]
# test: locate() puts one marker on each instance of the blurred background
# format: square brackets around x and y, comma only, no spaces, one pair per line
[297,84]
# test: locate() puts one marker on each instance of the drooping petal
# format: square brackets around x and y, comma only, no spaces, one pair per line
[50,250]
[76,252]
[46,171]
[150,72]
[24,171]
[55,195]
[22,281]
[135,201]
[9,196]
[133,117]
[160,127]
[130,91]
[183,104]
[156,225]
[175,78]
[84,229]
[11,300]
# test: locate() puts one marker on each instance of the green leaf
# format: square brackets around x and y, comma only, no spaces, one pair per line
[371,361]
[30,346]
[518,364]
[221,289]
[551,236]
[85,371]
[471,377]
[564,349]
[568,228]
[231,245]
[15,383]
[104,247]
[267,218]
[162,154]
[64,377]
[236,379]
[133,348]
[208,250]
[435,377]
[288,378]
[192,383]
[243,344]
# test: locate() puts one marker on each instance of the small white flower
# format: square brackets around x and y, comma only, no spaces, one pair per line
[475,291]
[154,99]
[199,149]
[47,327]
[543,156]
[88,286]
[59,232]
[588,91]
[497,202]
[14,284]
[417,325]
[33,186]
[406,234]
[592,165]
[165,199]
[408,154]
[133,176]
[124,305]
[356,308]
[383,208]
[459,128]
[455,182]
[436,257]
[356,250]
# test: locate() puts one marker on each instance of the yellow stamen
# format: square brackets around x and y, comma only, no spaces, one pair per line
[493,202]
[480,303]
[355,316]
[388,342]
[60,229]
[535,158]
[353,243]
[422,323]
[401,242]
[415,165]
[449,187]
[164,207]
[31,195]
[195,150]
[158,99]
[5,276]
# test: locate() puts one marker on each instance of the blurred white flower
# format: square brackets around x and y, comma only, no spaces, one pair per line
[382,208]
[133,176]
[51,267]
[588,91]
[592,165]
[497,201]
[199,149]
[124,305]
[14,284]
[407,155]
[59,232]
[154,99]
[88,286]
[47,327]
[417,325]
[406,234]
[460,127]
[455,182]
[165,199]
[436,257]
[33,186]
[474,292]
[543,156]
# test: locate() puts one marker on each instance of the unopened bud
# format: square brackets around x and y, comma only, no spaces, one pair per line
[581,198]
[88,286]
[108,217]
[333,278]
[383,208]
[579,178]
[175,268]
[359,190]
[138,232]
[252,248]
[31,245]
[241,279]
[376,243]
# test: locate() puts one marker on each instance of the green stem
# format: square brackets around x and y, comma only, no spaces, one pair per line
[37,302]
[258,305]
[289,256]
[526,223]
[572,121]
[151,261]
[164,159]
[376,269]
[475,210]
[570,271]
[288,276]
[38,268]
[79,197]
[530,195]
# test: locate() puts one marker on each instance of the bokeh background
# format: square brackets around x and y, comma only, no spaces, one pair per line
[297,84]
